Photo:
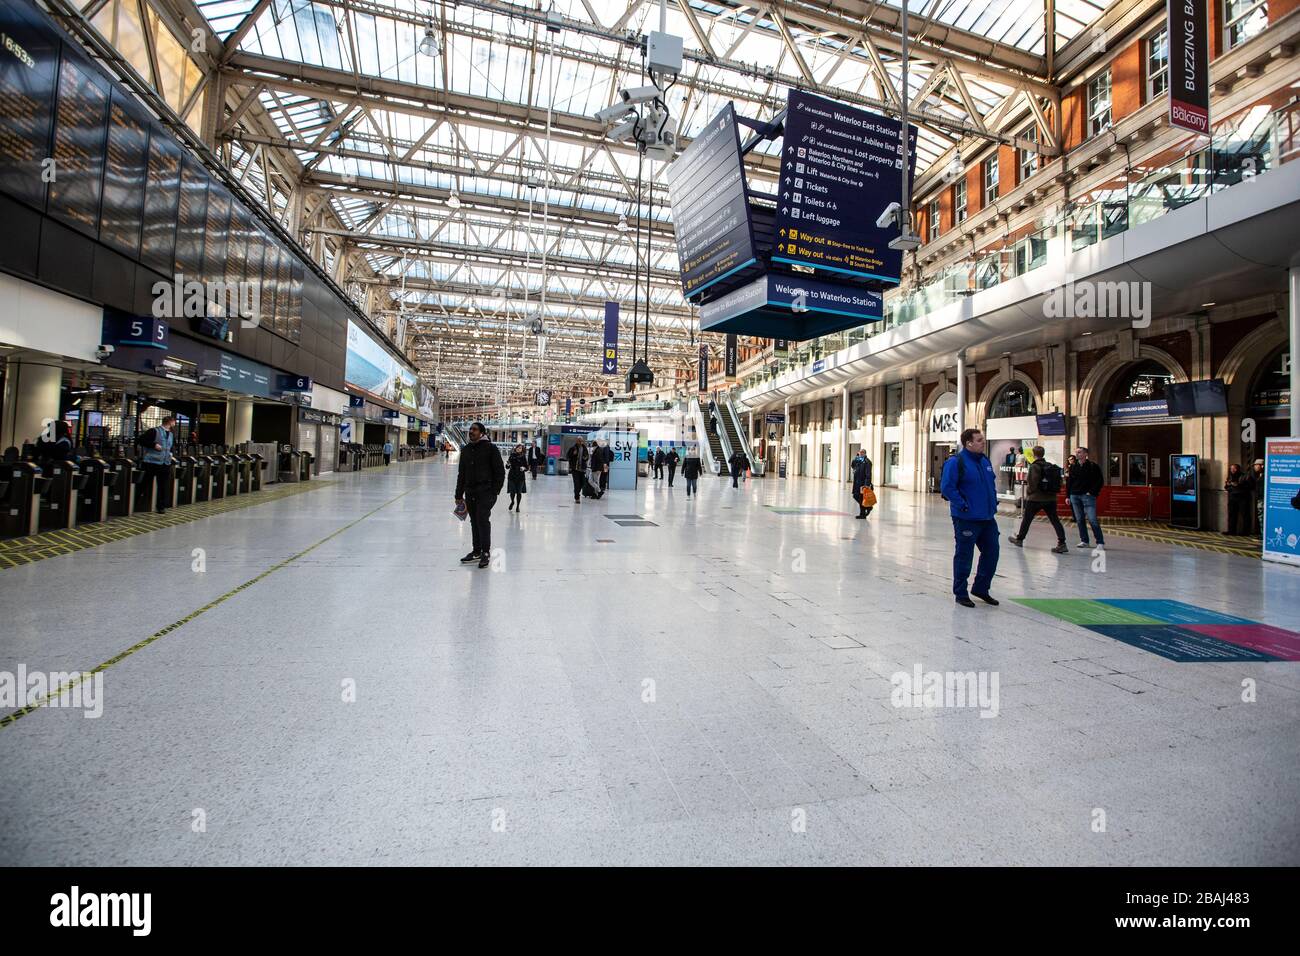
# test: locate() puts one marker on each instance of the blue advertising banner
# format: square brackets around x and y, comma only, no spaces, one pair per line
[840,168]
[610,364]
[710,205]
[1282,500]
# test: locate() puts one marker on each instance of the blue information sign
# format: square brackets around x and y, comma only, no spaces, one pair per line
[296,383]
[610,363]
[140,331]
[1282,500]
[840,168]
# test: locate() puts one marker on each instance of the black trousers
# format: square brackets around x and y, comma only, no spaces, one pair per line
[480,504]
[659,470]
[579,478]
[672,470]
[388,458]
[604,479]
[1241,514]
[735,475]
[533,466]
[1047,507]
[163,475]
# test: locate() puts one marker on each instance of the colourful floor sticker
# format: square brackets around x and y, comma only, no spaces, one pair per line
[1174,630]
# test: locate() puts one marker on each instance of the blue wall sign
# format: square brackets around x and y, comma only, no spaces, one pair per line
[294,383]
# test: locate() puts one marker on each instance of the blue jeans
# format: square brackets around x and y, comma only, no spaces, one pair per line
[1085,506]
[692,486]
[969,534]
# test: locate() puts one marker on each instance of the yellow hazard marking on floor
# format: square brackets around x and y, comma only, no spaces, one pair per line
[1185,537]
[49,544]
[17,715]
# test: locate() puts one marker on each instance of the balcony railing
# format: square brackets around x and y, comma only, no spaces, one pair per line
[1241,147]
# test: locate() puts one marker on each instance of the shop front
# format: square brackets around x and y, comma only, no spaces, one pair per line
[1011,432]
[942,436]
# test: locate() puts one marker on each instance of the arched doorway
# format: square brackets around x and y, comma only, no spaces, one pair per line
[941,432]
[1140,434]
[1268,403]
[1011,425]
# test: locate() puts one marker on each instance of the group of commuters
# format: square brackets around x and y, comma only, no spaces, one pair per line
[1082,480]
[1245,499]
[658,460]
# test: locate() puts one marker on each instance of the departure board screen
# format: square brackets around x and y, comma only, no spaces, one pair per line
[284,286]
[161,195]
[236,243]
[298,271]
[122,209]
[191,219]
[29,59]
[214,233]
[80,122]
[270,282]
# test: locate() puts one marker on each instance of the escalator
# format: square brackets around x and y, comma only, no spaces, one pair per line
[740,438]
[453,434]
[732,434]
[716,459]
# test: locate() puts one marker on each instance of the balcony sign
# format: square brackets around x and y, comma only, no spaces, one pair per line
[1189,66]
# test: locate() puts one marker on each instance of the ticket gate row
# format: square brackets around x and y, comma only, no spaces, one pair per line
[62,494]
[355,457]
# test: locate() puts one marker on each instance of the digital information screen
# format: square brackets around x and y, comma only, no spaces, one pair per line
[80,124]
[29,59]
[270,282]
[840,168]
[161,196]
[191,218]
[283,288]
[1184,507]
[710,205]
[297,274]
[215,234]
[122,211]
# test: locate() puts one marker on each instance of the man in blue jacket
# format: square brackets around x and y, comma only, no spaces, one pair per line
[970,486]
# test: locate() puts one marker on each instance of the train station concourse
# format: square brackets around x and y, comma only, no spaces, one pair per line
[653,433]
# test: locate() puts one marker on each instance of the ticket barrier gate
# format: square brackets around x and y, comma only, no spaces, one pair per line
[146,498]
[232,474]
[218,464]
[256,466]
[244,472]
[202,478]
[306,459]
[21,488]
[59,501]
[183,470]
[92,498]
[290,468]
[121,494]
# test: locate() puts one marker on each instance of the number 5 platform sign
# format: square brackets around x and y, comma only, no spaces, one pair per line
[1282,500]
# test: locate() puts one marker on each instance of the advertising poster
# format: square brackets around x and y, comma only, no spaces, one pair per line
[1184,506]
[1189,65]
[1282,500]
[371,367]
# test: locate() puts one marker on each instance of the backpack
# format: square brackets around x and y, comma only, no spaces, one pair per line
[961,471]
[1049,479]
[146,439]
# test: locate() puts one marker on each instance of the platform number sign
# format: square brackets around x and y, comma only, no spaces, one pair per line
[295,383]
[138,331]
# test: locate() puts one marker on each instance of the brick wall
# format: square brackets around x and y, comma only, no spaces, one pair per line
[1089,359]
[1074,108]
[1034,372]
[1007,169]
[1178,345]
[1225,335]
[982,380]
[1127,88]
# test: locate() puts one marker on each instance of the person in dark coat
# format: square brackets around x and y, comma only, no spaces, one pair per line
[535,459]
[517,477]
[579,461]
[660,458]
[738,463]
[601,459]
[1239,488]
[1037,500]
[479,478]
[692,468]
[861,479]
[672,461]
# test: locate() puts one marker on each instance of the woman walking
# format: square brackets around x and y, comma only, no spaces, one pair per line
[516,478]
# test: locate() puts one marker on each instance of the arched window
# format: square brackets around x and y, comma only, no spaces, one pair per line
[1272,386]
[1012,401]
[1144,382]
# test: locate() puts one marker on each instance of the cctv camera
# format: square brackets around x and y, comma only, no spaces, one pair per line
[639,94]
[624,130]
[612,114]
[103,352]
[889,216]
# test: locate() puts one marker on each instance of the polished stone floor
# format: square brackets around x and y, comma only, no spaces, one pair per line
[713,686]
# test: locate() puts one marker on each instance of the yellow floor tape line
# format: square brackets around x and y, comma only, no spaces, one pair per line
[48,544]
[17,715]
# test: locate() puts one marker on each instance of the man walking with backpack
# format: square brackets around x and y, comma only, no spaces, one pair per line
[970,486]
[1040,495]
[157,459]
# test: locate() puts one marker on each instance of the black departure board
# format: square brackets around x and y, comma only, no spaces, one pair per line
[253,263]
[298,272]
[270,282]
[236,243]
[29,59]
[283,286]
[191,218]
[80,126]
[214,233]
[161,195]
[122,209]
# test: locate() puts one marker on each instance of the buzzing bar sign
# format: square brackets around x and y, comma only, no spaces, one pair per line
[1189,66]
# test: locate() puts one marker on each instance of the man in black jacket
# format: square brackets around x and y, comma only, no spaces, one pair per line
[579,460]
[692,467]
[601,458]
[535,459]
[672,460]
[660,457]
[478,482]
[1082,485]
[739,464]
